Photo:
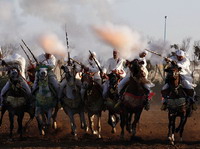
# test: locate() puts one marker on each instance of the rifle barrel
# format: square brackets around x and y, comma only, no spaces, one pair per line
[30,52]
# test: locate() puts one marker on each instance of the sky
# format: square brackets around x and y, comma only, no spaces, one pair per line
[31,19]
[147,16]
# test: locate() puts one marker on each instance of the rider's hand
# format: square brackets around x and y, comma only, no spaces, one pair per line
[167,60]
[3,63]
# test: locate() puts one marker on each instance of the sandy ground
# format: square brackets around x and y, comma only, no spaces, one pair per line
[152,133]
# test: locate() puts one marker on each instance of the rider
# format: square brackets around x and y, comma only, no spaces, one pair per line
[186,78]
[91,67]
[48,60]
[147,86]
[114,65]
[19,62]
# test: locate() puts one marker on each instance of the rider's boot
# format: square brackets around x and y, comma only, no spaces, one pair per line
[164,106]
[117,105]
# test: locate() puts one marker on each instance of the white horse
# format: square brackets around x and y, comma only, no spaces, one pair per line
[71,99]
[45,101]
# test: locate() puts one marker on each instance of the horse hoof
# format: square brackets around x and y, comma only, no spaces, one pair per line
[42,132]
[113,130]
[99,136]
[76,138]
[171,140]
[122,136]
[181,139]
[94,132]
[54,125]
[86,129]
[10,139]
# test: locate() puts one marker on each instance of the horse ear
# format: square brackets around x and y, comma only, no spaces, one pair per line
[166,70]
[62,67]
[179,68]
[141,62]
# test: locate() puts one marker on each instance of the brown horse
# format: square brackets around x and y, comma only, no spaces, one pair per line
[93,101]
[176,102]
[133,99]
[111,100]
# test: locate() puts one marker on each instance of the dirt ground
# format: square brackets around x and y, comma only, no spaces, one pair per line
[151,132]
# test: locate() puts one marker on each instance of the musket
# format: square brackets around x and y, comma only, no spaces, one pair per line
[30,52]
[158,54]
[79,63]
[101,72]
[26,53]
[67,41]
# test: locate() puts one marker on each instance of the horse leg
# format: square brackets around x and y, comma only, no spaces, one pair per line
[112,121]
[172,121]
[83,121]
[11,118]
[32,115]
[49,118]
[20,127]
[136,120]
[54,116]
[72,123]
[180,124]
[91,123]
[99,124]
[39,120]
[182,128]
[122,124]
[128,123]
[2,114]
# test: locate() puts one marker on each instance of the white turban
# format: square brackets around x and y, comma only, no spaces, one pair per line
[180,53]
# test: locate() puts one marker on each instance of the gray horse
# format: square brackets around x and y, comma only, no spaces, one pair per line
[45,101]
[16,99]
[71,99]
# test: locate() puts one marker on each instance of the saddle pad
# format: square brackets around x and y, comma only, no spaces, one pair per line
[132,102]
[72,103]
[45,102]
[93,104]
[175,103]
[110,103]
[16,101]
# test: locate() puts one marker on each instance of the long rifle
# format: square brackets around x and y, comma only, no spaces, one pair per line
[30,52]
[26,53]
[79,63]
[101,72]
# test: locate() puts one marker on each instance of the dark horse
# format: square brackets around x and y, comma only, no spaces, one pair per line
[176,102]
[93,101]
[111,100]
[133,98]
[16,101]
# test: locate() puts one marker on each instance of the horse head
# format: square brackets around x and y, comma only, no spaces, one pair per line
[87,80]
[136,68]
[173,74]
[113,80]
[14,74]
[43,73]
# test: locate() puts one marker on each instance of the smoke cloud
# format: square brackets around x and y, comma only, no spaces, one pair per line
[52,45]
[128,42]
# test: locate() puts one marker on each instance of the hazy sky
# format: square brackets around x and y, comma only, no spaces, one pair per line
[28,19]
[148,17]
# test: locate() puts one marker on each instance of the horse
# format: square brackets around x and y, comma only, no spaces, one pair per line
[46,100]
[71,101]
[111,100]
[29,110]
[133,98]
[176,102]
[93,101]
[16,101]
